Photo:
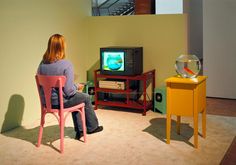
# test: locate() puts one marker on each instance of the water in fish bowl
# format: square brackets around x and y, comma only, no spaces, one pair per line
[114,62]
[188,66]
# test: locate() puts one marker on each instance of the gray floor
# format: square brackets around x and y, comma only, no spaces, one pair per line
[128,138]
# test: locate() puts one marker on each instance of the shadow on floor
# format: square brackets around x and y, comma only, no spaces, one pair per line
[158,130]
[229,157]
[50,134]
[121,109]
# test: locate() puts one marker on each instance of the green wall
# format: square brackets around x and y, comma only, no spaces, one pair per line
[163,37]
[25,26]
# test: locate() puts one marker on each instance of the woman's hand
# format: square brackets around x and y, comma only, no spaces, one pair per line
[80,87]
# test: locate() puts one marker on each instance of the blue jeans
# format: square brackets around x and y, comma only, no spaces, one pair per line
[90,116]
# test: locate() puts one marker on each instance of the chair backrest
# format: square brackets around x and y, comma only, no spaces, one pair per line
[47,83]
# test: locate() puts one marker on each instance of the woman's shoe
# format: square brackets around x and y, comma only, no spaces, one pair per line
[98,129]
[78,135]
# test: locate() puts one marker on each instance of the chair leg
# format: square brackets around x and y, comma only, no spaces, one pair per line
[40,135]
[62,134]
[41,129]
[84,123]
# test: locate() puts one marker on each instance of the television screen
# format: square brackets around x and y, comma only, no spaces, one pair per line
[121,61]
[113,61]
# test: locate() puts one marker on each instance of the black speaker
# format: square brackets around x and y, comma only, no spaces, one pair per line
[160,100]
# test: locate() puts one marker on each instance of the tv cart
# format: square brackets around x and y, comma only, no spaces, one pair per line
[142,104]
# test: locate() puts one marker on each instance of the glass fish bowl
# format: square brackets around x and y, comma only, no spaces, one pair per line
[188,66]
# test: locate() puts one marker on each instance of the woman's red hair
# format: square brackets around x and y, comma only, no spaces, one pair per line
[55,50]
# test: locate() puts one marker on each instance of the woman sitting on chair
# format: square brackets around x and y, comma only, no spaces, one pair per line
[53,63]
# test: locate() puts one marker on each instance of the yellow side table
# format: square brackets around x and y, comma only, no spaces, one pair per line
[186,97]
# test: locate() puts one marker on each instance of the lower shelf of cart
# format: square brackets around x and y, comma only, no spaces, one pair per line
[130,104]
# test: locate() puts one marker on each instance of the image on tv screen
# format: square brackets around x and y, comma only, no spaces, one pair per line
[113,61]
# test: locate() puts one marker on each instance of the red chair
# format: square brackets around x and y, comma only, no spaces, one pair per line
[47,83]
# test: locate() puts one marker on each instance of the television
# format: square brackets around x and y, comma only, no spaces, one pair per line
[122,61]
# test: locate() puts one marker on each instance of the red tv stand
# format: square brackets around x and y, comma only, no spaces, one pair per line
[142,104]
